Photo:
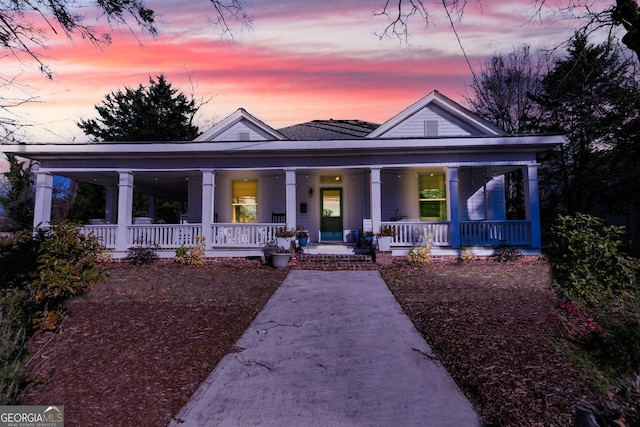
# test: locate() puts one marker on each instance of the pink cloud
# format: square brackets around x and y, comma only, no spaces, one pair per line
[303,61]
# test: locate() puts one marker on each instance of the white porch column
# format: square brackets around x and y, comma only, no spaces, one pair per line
[125,208]
[208,198]
[290,175]
[532,204]
[44,196]
[454,208]
[111,205]
[376,199]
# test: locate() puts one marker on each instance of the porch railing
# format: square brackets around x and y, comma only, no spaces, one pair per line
[243,235]
[105,233]
[171,236]
[165,236]
[494,233]
[418,233]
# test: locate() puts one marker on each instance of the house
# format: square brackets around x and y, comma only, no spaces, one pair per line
[435,172]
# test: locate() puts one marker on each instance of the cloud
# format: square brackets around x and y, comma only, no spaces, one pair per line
[302,60]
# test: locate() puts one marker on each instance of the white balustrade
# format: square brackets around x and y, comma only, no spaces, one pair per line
[416,233]
[243,235]
[165,236]
[105,233]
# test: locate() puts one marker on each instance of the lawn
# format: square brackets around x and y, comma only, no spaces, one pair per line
[134,349]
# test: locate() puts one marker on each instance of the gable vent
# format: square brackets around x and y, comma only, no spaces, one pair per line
[430,128]
[243,136]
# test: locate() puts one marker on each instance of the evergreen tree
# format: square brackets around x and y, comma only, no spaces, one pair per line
[592,97]
[154,113]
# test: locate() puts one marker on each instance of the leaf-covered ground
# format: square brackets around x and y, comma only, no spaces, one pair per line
[135,348]
[491,326]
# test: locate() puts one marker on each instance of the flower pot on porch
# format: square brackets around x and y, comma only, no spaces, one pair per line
[384,243]
[283,242]
[303,241]
[280,260]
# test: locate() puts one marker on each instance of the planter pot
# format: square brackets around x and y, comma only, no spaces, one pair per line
[284,242]
[303,241]
[280,260]
[384,243]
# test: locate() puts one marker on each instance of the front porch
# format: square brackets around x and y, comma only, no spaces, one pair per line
[249,239]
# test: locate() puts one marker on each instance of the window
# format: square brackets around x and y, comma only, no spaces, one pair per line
[433,197]
[245,201]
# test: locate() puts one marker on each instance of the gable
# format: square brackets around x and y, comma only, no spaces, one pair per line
[435,116]
[429,122]
[240,126]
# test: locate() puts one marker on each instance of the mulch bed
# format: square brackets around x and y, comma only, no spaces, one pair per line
[490,324]
[134,350]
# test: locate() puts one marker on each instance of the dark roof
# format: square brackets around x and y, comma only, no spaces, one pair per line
[328,129]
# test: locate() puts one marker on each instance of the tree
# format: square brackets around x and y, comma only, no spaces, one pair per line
[20,198]
[621,13]
[592,96]
[21,35]
[503,90]
[25,25]
[154,113]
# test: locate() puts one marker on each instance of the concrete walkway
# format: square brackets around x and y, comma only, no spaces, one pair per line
[330,348]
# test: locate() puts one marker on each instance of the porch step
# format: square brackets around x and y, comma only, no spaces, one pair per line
[334,262]
[331,249]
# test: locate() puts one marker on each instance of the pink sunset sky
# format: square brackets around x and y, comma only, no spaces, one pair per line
[301,60]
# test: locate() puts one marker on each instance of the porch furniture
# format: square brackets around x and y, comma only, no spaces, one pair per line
[279,218]
[143,220]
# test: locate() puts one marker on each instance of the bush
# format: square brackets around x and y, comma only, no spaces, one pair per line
[506,253]
[14,329]
[141,254]
[18,258]
[52,265]
[193,255]
[601,314]
[587,264]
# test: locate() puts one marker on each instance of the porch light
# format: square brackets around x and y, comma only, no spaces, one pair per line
[310,192]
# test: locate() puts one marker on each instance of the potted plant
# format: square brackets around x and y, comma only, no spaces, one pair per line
[385,236]
[277,256]
[284,237]
[302,235]
[367,239]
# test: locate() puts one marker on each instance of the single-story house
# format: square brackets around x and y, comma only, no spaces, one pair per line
[435,172]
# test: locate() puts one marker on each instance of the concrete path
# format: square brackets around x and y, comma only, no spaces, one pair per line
[330,348]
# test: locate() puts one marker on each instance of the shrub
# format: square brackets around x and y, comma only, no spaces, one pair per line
[18,258]
[193,255]
[602,314]
[14,330]
[142,253]
[587,264]
[421,254]
[466,254]
[506,253]
[67,265]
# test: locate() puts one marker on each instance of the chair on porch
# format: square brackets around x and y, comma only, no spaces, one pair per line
[277,217]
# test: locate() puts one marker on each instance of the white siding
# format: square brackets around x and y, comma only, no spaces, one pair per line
[414,126]
[271,195]
[232,134]
[482,196]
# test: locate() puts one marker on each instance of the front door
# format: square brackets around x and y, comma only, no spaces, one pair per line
[331,214]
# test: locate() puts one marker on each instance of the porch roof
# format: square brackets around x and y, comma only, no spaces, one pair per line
[336,147]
